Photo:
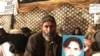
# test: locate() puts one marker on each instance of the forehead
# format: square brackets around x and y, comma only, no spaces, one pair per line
[73,44]
[48,23]
[76,29]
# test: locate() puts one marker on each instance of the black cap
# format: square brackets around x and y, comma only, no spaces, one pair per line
[48,18]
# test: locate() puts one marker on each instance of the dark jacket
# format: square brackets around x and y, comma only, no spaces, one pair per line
[36,47]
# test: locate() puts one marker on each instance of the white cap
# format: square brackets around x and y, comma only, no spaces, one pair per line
[15,31]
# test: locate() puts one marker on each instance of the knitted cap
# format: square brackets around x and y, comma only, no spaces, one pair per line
[48,18]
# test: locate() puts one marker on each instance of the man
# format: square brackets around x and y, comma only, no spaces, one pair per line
[47,42]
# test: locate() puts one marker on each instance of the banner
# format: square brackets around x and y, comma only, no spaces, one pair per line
[94,8]
[8,7]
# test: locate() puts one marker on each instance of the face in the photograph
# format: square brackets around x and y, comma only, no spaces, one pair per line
[72,49]
[73,46]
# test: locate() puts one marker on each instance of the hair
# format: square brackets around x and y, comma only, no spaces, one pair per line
[25,30]
[67,42]
[48,18]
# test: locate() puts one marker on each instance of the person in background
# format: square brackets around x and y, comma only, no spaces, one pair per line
[26,31]
[47,42]
[90,32]
[77,31]
[3,33]
[14,45]
[4,49]
[87,47]
[73,46]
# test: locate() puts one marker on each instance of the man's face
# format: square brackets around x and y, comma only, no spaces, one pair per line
[73,49]
[49,28]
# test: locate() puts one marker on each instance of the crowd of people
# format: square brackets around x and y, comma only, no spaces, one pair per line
[47,42]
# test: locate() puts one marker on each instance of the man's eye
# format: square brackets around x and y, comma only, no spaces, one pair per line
[68,47]
[46,26]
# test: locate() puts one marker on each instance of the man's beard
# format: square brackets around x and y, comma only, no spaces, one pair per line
[49,37]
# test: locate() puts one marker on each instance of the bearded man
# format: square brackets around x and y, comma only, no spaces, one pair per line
[47,42]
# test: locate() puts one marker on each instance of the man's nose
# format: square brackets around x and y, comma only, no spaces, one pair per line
[71,52]
[49,29]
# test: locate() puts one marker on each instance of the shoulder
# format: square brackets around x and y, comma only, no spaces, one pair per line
[39,34]
[58,39]
[36,36]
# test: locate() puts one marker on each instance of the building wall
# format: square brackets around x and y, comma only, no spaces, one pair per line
[67,17]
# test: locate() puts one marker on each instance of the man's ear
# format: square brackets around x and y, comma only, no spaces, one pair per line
[40,27]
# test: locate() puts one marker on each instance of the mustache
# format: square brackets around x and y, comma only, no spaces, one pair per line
[50,34]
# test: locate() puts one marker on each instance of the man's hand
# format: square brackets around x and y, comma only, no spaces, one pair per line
[87,44]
